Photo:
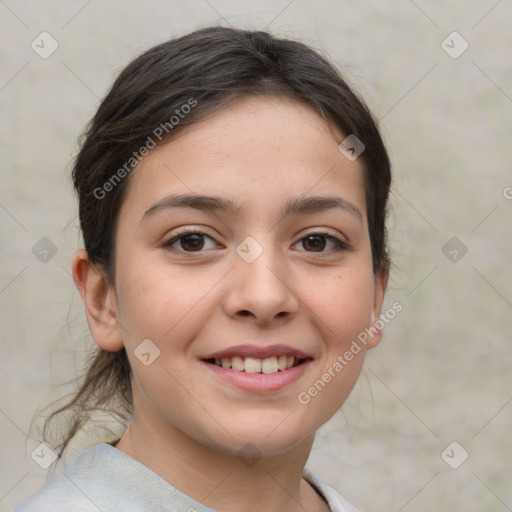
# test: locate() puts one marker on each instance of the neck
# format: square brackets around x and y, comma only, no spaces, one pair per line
[221,480]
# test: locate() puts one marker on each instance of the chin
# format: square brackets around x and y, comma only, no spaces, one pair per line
[260,438]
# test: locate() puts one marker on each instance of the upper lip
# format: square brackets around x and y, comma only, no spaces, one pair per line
[258,351]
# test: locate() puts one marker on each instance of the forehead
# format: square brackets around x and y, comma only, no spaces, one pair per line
[254,149]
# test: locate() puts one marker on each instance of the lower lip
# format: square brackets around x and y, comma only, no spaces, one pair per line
[259,382]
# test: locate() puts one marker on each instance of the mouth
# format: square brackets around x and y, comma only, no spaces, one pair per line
[258,369]
[267,366]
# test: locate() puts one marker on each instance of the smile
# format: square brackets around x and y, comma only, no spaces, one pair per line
[267,365]
[258,368]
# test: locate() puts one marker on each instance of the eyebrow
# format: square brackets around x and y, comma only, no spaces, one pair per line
[294,206]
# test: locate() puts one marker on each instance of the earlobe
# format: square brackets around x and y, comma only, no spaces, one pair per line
[99,301]
[375,328]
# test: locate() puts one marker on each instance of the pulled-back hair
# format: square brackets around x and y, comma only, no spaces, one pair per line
[169,87]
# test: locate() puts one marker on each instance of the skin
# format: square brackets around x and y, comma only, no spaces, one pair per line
[187,424]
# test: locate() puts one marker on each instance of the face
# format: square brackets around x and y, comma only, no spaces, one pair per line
[250,298]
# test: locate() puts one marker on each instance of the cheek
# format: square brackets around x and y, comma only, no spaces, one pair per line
[342,308]
[343,305]
[158,301]
[164,393]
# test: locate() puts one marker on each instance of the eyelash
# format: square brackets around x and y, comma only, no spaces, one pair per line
[341,245]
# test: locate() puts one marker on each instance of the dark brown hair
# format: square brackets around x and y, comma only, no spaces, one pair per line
[205,70]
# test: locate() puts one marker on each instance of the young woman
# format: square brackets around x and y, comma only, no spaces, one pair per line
[232,197]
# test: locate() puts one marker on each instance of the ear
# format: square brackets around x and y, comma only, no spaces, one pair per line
[381,282]
[99,300]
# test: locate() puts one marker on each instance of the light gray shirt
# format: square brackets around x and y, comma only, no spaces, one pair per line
[104,479]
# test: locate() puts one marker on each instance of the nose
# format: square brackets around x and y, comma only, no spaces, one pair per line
[262,290]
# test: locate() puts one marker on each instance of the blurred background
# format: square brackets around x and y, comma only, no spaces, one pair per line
[428,424]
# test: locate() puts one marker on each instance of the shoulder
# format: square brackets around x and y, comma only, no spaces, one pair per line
[57,496]
[336,502]
[103,479]
[82,487]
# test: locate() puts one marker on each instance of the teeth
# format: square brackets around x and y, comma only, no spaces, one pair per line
[256,365]
[237,363]
[252,365]
[269,365]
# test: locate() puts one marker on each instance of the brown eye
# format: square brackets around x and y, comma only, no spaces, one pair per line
[315,243]
[192,242]
[322,243]
[189,241]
